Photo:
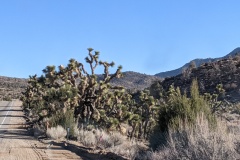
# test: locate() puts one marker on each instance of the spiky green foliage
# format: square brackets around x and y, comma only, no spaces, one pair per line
[180,108]
[93,101]
[145,115]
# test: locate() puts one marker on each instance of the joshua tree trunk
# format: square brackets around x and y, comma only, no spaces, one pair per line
[140,131]
[145,128]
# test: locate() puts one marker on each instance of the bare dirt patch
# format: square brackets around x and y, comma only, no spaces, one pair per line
[17,144]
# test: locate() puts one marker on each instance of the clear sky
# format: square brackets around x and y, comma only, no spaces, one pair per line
[146,36]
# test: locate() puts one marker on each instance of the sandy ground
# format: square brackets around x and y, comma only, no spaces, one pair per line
[17,144]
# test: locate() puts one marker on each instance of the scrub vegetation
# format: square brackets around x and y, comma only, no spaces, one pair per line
[154,123]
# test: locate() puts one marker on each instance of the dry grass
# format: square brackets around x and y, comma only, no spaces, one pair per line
[87,138]
[57,133]
[99,138]
[114,142]
[130,149]
[199,142]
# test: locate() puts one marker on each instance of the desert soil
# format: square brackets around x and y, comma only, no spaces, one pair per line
[17,144]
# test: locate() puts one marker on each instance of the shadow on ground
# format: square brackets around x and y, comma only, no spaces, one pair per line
[85,153]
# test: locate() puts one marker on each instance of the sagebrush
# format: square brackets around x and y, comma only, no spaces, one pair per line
[57,133]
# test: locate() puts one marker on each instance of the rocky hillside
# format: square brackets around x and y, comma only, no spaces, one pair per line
[11,87]
[134,81]
[224,71]
[198,62]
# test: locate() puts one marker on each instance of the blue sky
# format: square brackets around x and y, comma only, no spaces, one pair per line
[143,36]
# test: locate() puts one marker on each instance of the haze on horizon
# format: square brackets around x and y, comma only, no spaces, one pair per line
[143,36]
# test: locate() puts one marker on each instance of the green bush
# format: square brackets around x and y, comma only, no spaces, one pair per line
[180,108]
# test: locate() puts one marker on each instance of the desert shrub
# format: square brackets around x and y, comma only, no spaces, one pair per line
[117,138]
[198,142]
[129,149]
[87,138]
[180,108]
[103,139]
[64,119]
[99,138]
[57,133]
[114,142]
[109,140]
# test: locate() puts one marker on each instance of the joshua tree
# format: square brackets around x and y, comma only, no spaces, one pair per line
[74,88]
[75,92]
[144,113]
[149,109]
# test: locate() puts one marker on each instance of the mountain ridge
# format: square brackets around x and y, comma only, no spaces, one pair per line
[224,72]
[197,61]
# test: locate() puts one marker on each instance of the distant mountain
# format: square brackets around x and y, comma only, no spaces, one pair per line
[134,81]
[225,71]
[198,63]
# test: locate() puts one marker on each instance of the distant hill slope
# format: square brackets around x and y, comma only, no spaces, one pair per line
[11,87]
[198,62]
[135,81]
[224,71]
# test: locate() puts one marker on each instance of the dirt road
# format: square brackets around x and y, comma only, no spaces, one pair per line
[17,144]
